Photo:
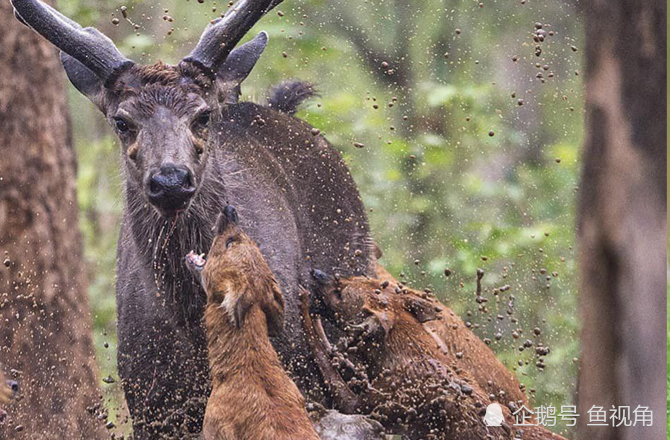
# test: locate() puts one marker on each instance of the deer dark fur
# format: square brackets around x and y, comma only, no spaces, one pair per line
[189,148]
[297,200]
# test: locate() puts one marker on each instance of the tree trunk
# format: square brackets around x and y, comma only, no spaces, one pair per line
[622,220]
[45,330]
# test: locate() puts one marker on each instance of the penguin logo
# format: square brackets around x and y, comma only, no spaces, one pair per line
[494,415]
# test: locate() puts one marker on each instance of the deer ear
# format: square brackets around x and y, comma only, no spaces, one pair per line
[237,67]
[423,310]
[83,79]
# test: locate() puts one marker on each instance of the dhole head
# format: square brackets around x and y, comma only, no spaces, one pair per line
[236,275]
[368,305]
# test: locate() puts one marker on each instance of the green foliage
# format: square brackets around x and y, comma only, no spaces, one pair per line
[440,189]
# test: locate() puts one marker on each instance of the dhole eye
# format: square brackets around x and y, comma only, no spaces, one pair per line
[122,126]
[230,241]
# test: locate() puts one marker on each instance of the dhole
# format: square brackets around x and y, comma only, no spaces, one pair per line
[450,332]
[409,373]
[252,396]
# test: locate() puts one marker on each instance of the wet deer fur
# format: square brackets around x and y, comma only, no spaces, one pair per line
[297,200]
[294,193]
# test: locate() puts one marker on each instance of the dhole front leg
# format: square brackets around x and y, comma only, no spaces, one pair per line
[344,399]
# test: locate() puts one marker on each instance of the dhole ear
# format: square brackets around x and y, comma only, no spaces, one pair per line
[240,307]
[323,284]
[272,304]
[378,326]
[83,79]
[237,67]
[274,311]
[422,309]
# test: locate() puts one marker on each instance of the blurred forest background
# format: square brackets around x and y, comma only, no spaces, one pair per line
[470,115]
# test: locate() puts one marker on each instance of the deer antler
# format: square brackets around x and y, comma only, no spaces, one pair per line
[221,36]
[87,45]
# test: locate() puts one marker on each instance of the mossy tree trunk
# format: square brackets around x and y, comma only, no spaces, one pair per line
[622,219]
[45,322]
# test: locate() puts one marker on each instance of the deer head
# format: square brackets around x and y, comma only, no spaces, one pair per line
[161,113]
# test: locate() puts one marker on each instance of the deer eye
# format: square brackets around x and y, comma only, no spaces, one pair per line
[122,126]
[202,120]
[230,241]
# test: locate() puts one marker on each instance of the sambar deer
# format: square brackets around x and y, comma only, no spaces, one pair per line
[188,148]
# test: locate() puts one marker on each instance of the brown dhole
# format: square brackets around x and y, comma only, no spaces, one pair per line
[415,377]
[252,396]
[450,332]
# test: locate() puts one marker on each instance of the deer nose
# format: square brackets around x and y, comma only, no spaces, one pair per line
[171,187]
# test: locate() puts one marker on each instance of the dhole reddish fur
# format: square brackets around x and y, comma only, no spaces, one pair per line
[252,396]
[407,344]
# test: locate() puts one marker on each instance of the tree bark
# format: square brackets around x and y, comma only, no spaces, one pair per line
[622,219]
[45,322]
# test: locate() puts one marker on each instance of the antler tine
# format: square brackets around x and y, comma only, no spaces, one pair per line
[221,36]
[87,45]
